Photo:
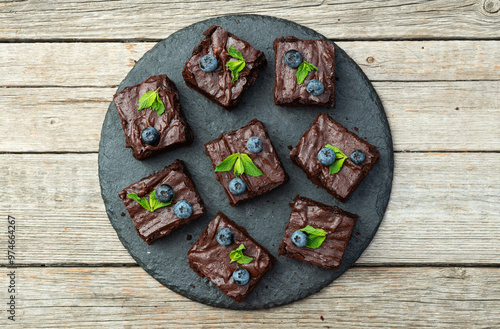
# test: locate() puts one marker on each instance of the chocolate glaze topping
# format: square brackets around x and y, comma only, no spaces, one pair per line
[154,225]
[217,85]
[210,259]
[266,160]
[171,125]
[338,224]
[320,53]
[325,130]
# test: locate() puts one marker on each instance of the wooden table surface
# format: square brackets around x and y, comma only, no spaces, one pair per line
[435,261]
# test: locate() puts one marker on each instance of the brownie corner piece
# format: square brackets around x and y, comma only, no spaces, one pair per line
[267,161]
[217,85]
[208,258]
[151,226]
[337,223]
[287,90]
[172,126]
[323,131]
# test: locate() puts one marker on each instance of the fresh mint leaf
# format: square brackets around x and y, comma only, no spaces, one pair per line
[227,163]
[152,100]
[243,164]
[339,162]
[235,66]
[249,166]
[238,167]
[237,256]
[233,52]
[315,236]
[142,201]
[303,70]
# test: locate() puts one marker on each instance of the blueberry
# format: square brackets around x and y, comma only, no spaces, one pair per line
[208,63]
[224,236]
[241,276]
[254,144]
[299,239]
[150,136]
[315,87]
[357,157]
[237,186]
[326,156]
[292,58]
[183,209]
[164,193]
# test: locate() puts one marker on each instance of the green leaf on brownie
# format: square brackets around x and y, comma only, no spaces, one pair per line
[303,70]
[237,256]
[243,164]
[235,66]
[150,205]
[152,100]
[340,157]
[315,236]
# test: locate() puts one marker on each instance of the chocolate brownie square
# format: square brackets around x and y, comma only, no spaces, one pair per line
[320,53]
[325,130]
[266,160]
[172,126]
[210,259]
[153,225]
[217,85]
[337,223]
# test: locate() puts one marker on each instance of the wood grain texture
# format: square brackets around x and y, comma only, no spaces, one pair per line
[424,116]
[443,210]
[106,64]
[363,297]
[155,19]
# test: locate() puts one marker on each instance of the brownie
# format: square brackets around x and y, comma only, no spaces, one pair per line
[172,126]
[325,130]
[210,259]
[153,225]
[337,223]
[320,53]
[217,85]
[266,160]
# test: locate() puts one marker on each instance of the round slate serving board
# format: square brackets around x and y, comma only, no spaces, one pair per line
[358,109]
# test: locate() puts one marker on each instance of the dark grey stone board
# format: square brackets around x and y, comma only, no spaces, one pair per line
[358,108]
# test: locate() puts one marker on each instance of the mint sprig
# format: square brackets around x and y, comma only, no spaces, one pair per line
[303,70]
[315,236]
[237,256]
[339,159]
[150,205]
[235,66]
[151,99]
[243,164]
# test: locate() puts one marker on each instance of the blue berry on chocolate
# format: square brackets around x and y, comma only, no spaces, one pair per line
[292,58]
[237,186]
[208,63]
[326,156]
[315,87]
[299,239]
[183,209]
[254,144]
[164,193]
[150,136]
[224,236]
[241,276]
[357,157]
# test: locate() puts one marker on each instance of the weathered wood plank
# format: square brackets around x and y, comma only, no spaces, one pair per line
[155,19]
[106,64]
[424,116]
[444,209]
[362,297]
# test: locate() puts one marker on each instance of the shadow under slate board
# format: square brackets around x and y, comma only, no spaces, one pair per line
[265,217]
